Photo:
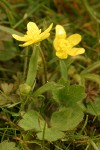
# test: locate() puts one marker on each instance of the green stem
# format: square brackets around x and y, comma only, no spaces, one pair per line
[85,123]
[43,146]
[63,69]
[94,145]
[23,102]
[44,65]
[32,71]
[64,64]
[25,62]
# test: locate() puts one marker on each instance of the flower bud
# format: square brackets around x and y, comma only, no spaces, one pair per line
[24,88]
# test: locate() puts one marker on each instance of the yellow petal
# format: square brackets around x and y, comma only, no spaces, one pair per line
[32,28]
[46,33]
[32,41]
[56,44]
[27,43]
[45,36]
[20,38]
[76,51]
[61,55]
[60,32]
[74,39]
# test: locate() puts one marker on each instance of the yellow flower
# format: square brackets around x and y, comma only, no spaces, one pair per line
[65,46]
[33,34]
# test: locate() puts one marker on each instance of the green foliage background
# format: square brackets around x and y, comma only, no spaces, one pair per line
[61,109]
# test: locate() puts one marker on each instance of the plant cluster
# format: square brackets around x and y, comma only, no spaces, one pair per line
[54,102]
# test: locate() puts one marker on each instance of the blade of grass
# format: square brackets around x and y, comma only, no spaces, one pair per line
[8,9]
[91,67]
[91,11]
[9,30]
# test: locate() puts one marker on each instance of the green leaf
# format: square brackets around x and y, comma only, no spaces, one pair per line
[60,94]
[94,107]
[66,119]
[7,88]
[3,100]
[98,145]
[48,86]
[9,52]
[69,95]
[51,134]
[76,93]
[32,120]
[5,145]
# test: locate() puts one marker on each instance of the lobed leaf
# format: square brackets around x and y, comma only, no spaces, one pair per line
[5,145]
[32,120]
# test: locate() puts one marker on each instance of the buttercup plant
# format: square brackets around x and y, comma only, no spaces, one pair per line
[65,46]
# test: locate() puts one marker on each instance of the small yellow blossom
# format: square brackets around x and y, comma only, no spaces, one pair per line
[65,46]
[33,34]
